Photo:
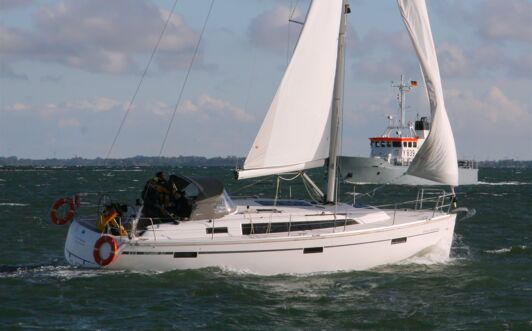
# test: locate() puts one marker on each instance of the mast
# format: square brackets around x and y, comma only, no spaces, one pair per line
[403,89]
[336,107]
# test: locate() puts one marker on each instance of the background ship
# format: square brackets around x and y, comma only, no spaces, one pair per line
[393,151]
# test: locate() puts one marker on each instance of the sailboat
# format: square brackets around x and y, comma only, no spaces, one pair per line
[299,132]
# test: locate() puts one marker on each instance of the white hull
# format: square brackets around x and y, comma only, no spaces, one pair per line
[380,240]
[374,170]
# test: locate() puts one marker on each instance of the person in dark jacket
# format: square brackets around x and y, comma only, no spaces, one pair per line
[156,197]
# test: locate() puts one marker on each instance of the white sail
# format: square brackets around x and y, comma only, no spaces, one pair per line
[295,132]
[436,159]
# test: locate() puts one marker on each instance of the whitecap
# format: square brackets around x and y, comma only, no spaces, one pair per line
[503,183]
[13,204]
[506,249]
[499,251]
[53,271]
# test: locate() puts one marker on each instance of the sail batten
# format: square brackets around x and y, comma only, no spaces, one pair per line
[436,159]
[296,129]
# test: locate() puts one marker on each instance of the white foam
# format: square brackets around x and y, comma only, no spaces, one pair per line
[505,249]
[13,204]
[498,251]
[503,183]
[61,272]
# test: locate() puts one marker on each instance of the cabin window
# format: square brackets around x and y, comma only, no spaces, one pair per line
[415,144]
[258,228]
[396,144]
[409,144]
[389,144]
[217,230]
[404,143]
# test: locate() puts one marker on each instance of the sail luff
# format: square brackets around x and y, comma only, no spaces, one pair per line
[436,159]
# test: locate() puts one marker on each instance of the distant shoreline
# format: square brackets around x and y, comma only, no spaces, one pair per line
[136,161]
[187,161]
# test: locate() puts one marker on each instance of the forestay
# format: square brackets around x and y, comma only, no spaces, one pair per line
[436,159]
[295,132]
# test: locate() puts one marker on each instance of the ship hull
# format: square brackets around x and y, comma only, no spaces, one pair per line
[372,170]
[305,253]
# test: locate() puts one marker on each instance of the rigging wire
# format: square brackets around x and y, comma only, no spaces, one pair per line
[196,49]
[154,51]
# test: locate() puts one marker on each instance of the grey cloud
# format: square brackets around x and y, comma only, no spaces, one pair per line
[51,79]
[99,36]
[270,30]
[7,72]
[505,20]
[493,20]
[13,4]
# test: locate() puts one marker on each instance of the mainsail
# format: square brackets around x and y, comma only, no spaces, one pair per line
[295,132]
[436,159]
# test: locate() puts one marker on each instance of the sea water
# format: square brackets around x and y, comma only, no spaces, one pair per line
[486,284]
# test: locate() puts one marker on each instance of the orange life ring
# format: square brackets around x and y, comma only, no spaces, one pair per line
[68,216]
[112,254]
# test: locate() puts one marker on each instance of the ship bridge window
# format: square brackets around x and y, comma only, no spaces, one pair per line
[404,144]
[389,144]
[409,144]
[396,144]
[415,143]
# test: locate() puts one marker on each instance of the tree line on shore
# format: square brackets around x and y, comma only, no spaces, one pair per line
[199,161]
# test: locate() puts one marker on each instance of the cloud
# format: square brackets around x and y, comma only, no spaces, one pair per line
[93,105]
[271,30]
[205,107]
[97,104]
[68,122]
[453,61]
[51,79]
[491,111]
[100,36]
[7,72]
[505,20]
[13,4]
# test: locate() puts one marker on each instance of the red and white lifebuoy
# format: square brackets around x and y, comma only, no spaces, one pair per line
[113,249]
[69,214]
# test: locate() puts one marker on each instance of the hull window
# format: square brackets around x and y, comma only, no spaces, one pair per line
[185,254]
[311,250]
[399,240]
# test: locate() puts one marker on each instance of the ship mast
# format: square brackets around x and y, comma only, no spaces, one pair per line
[403,89]
[336,107]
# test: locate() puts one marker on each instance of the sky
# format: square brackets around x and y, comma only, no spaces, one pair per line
[69,70]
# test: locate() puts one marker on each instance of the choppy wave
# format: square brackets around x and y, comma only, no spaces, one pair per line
[13,204]
[511,249]
[503,183]
[43,271]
